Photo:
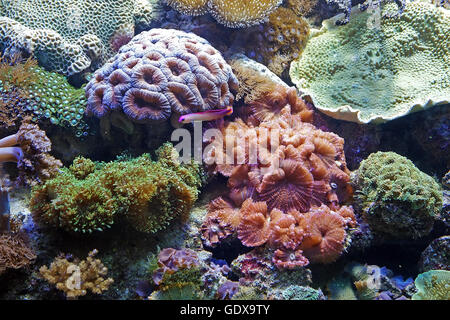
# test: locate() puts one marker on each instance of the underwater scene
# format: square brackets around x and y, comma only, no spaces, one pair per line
[224,150]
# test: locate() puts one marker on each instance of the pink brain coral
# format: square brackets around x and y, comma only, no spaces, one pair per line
[159,73]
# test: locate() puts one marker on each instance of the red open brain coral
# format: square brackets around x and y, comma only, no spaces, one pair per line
[159,73]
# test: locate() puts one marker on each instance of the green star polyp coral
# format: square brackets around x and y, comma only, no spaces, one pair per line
[47,96]
[376,69]
[397,199]
[149,194]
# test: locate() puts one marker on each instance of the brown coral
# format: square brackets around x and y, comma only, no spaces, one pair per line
[14,252]
[77,278]
[231,13]
[325,237]
[253,229]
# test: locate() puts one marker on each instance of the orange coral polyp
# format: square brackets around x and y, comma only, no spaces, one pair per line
[253,230]
[286,229]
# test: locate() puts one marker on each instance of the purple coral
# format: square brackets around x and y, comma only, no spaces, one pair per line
[161,72]
[171,260]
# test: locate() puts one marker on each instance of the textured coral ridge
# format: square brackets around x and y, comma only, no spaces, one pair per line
[76,278]
[363,72]
[397,199]
[159,73]
[290,198]
[231,13]
[70,36]
[87,197]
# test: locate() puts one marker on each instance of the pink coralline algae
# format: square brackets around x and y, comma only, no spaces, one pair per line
[159,74]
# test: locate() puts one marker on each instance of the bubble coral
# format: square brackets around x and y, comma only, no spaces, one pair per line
[231,13]
[162,73]
[78,277]
[14,252]
[397,199]
[149,194]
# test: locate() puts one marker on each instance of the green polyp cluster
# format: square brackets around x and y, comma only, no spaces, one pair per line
[397,199]
[53,98]
[47,96]
[88,196]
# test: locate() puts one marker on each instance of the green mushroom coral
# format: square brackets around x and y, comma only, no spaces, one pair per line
[396,198]
[376,69]
[433,285]
[88,196]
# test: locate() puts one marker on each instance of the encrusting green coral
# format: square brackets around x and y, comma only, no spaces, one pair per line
[87,197]
[376,69]
[27,89]
[433,285]
[397,199]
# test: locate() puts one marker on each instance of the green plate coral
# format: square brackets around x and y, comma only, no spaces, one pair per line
[433,285]
[88,196]
[376,69]
[397,199]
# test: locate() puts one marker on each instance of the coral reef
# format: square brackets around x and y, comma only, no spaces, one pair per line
[162,73]
[231,13]
[362,71]
[73,37]
[29,90]
[15,253]
[396,198]
[436,256]
[75,278]
[186,275]
[295,292]
[149,194]
[433,285]
[277,42]
[30,148]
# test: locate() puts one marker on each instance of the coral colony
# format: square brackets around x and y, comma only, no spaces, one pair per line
[224,150]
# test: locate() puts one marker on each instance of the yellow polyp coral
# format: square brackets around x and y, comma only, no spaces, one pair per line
[231,13]
[87,197]
[78,277]
[189,7]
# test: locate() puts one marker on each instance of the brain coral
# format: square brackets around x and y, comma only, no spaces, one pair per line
[149,194]
[231,13]
[70,36]
[161,72]
[433,285]
[397,199]
[365,72]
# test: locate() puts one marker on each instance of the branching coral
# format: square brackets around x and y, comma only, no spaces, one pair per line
[76,278]
[162,73]
[397,199]
[34,162]
[149,194]
[73,36]
[363,71]
[14,252]
[231,13]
